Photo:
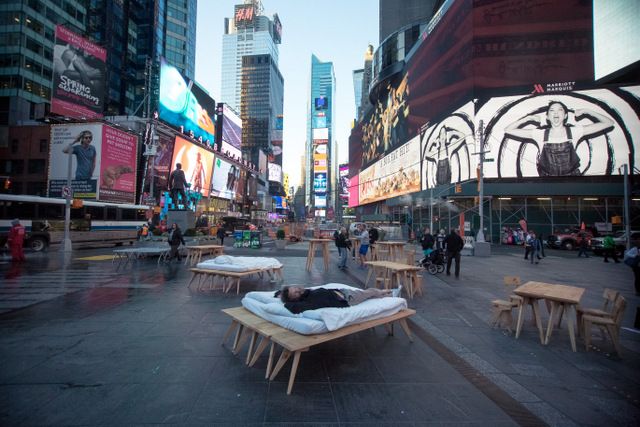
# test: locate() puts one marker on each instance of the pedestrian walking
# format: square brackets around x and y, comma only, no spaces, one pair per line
[364,244]
[535,247]
[542,245]
[453,244]
[344,245]
[609,247]
[426,241]
[527,244]
[221,234]
[16,241]
[175,239]
[584,245]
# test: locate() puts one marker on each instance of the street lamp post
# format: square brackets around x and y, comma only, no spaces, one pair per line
[66,244]
[480,237]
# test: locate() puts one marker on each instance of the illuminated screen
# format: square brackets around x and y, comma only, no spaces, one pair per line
[322,103]
[394,175]
[320,200]
[344,180]
[616,35]
[184,104]
[231,132]
[196,163]
[225,181]
[320,182]
[275,172]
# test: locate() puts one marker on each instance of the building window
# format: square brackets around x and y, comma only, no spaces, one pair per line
[43,145]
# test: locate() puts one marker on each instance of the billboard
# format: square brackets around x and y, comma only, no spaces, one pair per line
[196,163]
[447,148]
[580,133]
[231,131]
[79,74]
[319,163]
[161,165]
[319,182]
[225,179]
[343,173]
[395,174]
[319,121]
[280,202]
[103,162]
[184,105]
[354,196]
[321,103]
[320,201]
[275,172]
[320,136]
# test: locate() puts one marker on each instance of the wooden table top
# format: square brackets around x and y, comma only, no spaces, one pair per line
[205,247]
[396,266]
[319,240]
[386,242]
[561,293]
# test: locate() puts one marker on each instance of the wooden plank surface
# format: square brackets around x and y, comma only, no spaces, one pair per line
[560,293]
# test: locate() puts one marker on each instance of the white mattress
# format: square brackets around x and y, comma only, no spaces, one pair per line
[239,263]
[322,320]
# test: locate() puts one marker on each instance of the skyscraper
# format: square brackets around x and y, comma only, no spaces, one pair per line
[358,76]
[320,152]
[247,33]
[395,14]
[27,29]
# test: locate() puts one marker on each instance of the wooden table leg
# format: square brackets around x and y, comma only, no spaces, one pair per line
[405,327]
[284,356]
[236,340]
[366,283]
[570,316]
[192,278]
[294,370]
[520,316]
[552,316]
[238,286]
[270,361]
[536,314]
[243,337]
[264,342]
[232,326]
[252,343]
[325,252]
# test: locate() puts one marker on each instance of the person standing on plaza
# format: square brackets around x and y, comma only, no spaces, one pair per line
[584,245]
[453,244]
[177,181]
[221,234]
[609,246]
[427,241]
[16,241]
[535,246]
[527,244]
[343,244]
[175,239]
[85,155]
[364,244]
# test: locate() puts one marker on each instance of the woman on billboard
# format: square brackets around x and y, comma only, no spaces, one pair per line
[447,137]
[556,139]
[198,175]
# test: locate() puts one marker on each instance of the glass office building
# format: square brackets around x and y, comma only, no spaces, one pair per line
[321,155]
[247,33]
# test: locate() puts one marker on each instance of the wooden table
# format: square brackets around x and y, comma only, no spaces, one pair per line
[394,271]
[355,244]
[561,297]
[396,249]
[133,254]
[315,244]
[194,253]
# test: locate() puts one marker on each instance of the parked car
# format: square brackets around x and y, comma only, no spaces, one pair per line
[620,239]
[569,240]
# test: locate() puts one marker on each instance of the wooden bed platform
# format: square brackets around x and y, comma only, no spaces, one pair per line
[249,326]
[230,277]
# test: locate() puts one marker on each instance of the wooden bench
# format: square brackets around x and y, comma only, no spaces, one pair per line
[292,343]
[230,276]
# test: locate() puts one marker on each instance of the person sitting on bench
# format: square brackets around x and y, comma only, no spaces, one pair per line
[298,299]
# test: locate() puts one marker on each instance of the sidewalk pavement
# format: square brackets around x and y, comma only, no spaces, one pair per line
[86,343]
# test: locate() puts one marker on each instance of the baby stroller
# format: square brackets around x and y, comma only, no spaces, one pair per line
[434,262]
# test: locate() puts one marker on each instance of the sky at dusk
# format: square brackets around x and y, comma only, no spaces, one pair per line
[334,30]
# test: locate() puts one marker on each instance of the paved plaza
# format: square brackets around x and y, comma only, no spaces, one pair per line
[87,342]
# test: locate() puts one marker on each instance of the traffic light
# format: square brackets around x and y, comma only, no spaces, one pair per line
[458,188]
[7,184]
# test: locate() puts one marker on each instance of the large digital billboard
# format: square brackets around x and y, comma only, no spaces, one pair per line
[395,174]
[447,148]
[161,165]
[319,182]
[320,136]
[320,200]
[581,133]
[184,105]
[231,131]
[343,173]
[78,76]
[196,163]
[275,172]
[319,163]
[225,179]
[103,162]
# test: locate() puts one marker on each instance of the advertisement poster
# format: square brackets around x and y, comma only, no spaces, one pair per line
[231,132]
[118,166]
[319,182]
[395,174]
[320,136]
[320,200]
[196,163]
[343,172]
[354,186]
[78,76]
[319,163]
[184,105]
[447,148]
[225,179]
[581,133]
[83,144]
[161,165]
[275,172]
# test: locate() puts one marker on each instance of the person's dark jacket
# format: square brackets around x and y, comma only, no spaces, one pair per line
[373,236]
[221,234]
[453,242]
[176,238]
[342,241]
[177,179]
[427,241]
[312,299]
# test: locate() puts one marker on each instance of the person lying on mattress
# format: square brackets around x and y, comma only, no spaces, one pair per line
[298,299]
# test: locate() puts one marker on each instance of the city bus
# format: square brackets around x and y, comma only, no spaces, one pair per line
[92,224]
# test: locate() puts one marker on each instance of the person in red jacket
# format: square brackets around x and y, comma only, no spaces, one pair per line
[16,240]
